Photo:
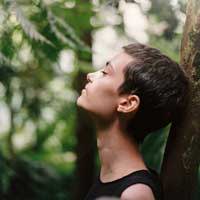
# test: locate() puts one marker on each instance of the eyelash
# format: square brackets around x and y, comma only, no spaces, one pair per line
[104,72]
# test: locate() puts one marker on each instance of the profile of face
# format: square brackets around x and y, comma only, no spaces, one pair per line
[100,96]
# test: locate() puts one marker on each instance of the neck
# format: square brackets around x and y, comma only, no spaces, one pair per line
[118,154]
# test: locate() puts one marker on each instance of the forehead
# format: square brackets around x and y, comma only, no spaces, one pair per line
[120,61]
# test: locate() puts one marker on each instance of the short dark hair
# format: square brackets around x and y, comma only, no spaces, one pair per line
[160,83]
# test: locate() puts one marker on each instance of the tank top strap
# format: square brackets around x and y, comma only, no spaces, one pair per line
[115,188]
[147,177]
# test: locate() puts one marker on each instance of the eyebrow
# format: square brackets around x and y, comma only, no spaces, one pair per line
[111,66]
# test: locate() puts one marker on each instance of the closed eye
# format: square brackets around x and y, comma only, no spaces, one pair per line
[104,72]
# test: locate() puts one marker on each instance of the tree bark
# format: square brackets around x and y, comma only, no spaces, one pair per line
[181,159]
[85,148]
[85,135]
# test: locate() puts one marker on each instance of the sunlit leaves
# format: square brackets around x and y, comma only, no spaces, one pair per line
[28,27]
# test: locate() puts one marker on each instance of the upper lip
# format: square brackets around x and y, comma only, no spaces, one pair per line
[86,87]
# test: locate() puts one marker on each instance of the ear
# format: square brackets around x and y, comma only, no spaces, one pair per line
[129,103]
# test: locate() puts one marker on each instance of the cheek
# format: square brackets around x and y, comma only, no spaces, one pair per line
[100,98]
[103,96]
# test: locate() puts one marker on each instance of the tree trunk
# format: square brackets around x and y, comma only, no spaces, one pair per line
[85,135]
[85,149]
[181,159]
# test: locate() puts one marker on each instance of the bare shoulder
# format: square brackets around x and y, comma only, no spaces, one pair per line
[137,191]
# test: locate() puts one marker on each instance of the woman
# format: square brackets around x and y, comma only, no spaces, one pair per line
[139,91]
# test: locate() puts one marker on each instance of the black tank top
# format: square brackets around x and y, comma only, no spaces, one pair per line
[115,188]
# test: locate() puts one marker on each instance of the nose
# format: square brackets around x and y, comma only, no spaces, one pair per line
[89,77]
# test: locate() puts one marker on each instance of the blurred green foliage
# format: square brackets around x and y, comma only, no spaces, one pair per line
[39,96]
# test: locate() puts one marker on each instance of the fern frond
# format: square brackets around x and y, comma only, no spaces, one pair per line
[70,31]
[74,40]
[27,26]
[59,34]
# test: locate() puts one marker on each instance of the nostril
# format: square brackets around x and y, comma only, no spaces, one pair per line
[88,78]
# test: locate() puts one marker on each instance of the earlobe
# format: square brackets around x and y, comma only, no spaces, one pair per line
[122,105]
[120,108]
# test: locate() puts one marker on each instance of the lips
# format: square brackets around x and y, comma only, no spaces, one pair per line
[83,90]
[86,86]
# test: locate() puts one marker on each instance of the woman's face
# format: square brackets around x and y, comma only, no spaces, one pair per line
[100,96]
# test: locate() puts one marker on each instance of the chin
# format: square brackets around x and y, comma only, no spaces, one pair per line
[83,104]
[80,102]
